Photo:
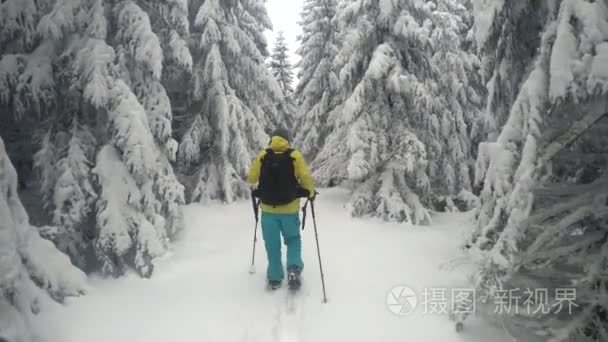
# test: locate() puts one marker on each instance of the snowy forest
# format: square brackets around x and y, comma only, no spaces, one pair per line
[117,115]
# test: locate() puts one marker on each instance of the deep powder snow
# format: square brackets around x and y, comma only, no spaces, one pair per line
[203,291]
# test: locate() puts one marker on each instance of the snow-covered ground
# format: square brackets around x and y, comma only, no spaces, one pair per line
[204,292]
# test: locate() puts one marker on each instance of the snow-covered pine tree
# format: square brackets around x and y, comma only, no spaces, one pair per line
[408,101]
[280,66]
[543,219]
[171,18]
[317,81]
[506,57]
[282,70]
[232,99]
[18,22]
[108,122]
[30,266]
[67,187]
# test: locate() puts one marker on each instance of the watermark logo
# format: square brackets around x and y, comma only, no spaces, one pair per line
[443,301]
[401,300]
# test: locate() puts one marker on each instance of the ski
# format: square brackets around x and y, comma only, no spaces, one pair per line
[294,284]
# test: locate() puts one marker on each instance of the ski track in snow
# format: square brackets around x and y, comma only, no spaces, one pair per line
[203,291]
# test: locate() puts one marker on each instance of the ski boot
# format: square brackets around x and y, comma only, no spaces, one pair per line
[293,278]
[274,284]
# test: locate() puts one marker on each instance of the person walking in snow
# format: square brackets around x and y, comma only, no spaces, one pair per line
[279,176]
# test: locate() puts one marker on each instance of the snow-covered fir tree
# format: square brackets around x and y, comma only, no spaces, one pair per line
[318,83]
[30,267]
[232,100]
[409,97]
[95,69]
[280,66]
[282,70]
[543,219]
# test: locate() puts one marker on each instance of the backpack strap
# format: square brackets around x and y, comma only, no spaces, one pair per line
[268,151]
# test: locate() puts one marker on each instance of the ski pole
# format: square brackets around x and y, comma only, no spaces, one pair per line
[314,221]
[304,209]
[255,232]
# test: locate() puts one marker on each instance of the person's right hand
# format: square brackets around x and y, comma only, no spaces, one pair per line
[254,190]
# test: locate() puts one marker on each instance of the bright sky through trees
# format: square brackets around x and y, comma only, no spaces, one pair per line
[285,15]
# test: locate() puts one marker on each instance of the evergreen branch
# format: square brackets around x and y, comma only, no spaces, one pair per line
[158,12]
[568,190]
[596,111]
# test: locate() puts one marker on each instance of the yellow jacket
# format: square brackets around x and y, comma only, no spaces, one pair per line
[302,173]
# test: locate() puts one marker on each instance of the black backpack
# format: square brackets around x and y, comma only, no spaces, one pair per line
[278,184]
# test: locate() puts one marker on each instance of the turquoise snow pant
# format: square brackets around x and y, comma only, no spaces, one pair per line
[273,227]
